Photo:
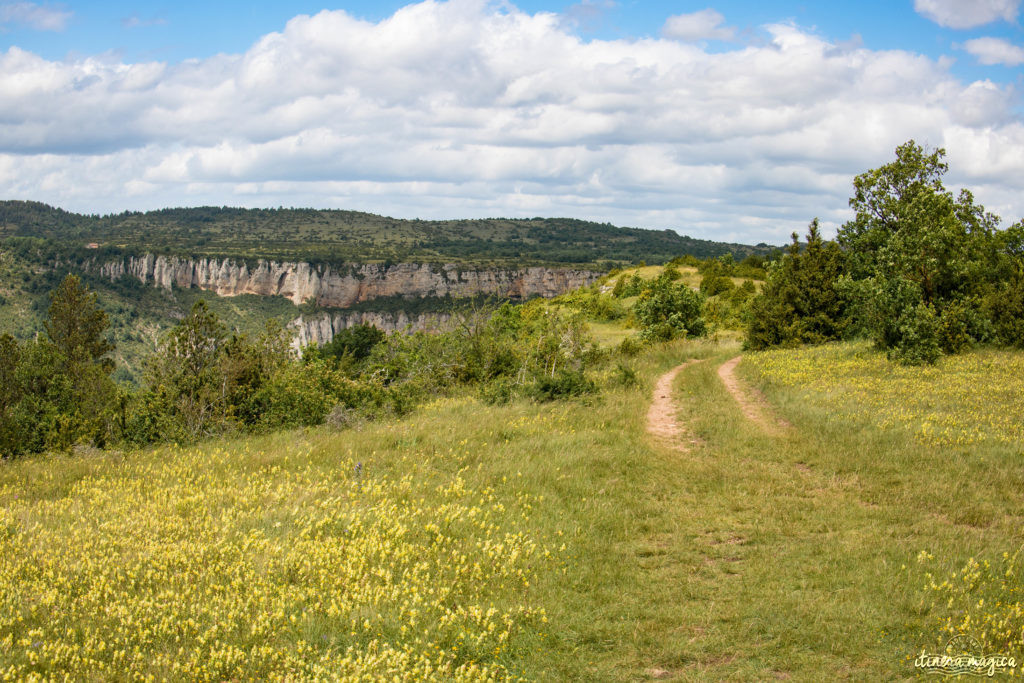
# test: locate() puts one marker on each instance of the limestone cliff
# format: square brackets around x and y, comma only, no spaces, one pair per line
[335,286]
[321,329]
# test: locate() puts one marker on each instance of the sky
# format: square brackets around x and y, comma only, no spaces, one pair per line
[732,120]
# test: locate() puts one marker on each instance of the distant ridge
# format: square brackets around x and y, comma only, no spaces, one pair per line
[337,236]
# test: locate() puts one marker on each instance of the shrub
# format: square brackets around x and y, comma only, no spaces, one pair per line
[917,342]
[355,342]
[625,375]
[627,287]
[496,392]
[562,384]
[666,311]
[1004,307]
[960,325]
[630,346]
[712,285]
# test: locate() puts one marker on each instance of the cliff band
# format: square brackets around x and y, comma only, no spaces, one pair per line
[341,286]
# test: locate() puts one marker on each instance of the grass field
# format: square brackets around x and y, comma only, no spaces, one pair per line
[542,541]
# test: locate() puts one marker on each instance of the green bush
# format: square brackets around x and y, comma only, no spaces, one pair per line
[713,285]
[625,375]
[1004,308]
[667,311]
[627,287]
[961,325]
[630,346]
[496,392]
[918,337]
[562,384]
[355,342]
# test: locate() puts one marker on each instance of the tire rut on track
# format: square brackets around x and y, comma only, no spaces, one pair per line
[751,401]
[661,416]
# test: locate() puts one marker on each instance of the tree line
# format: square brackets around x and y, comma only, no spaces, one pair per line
[919,271]
[56,391]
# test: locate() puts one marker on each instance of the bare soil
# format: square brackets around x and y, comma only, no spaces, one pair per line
[661,417]
[752,402]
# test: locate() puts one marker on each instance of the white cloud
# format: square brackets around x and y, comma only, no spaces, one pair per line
[962,14]
[39,17]
[707,24]
[995,51]
[459,110]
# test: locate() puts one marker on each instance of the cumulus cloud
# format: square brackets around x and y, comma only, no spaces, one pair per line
[707,24]
[461,109]
[992,51]
[962,14]
[39,17]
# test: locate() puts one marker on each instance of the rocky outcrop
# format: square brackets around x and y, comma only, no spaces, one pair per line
[334,286]
[321,329]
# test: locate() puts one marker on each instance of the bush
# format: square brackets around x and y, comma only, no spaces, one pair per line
[685,260]
[341,417]
[355,342]
[918,338]
[302,395]
[630,346]
[625,375]
[960,325]
[1004,307]
[713,285]
[667,311]
[497,392]
[627,287]
[563,384]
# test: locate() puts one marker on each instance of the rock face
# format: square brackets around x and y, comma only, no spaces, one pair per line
[322,329]
[345,285]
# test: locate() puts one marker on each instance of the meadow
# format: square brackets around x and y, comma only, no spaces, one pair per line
[541,541]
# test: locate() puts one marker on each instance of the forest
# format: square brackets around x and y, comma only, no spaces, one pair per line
[332,236]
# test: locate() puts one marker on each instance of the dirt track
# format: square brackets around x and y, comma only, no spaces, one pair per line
[661,417]
[751,401]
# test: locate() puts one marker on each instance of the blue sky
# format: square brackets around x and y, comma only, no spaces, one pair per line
[727,120]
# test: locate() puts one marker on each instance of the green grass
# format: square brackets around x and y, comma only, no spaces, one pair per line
[749,557]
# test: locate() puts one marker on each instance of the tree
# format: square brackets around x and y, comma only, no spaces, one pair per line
[1004,303]
[920,258]
[355,342]
[801,303]
[186,377]
[71,374]
[76,324]
[10,392]
[56,392]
